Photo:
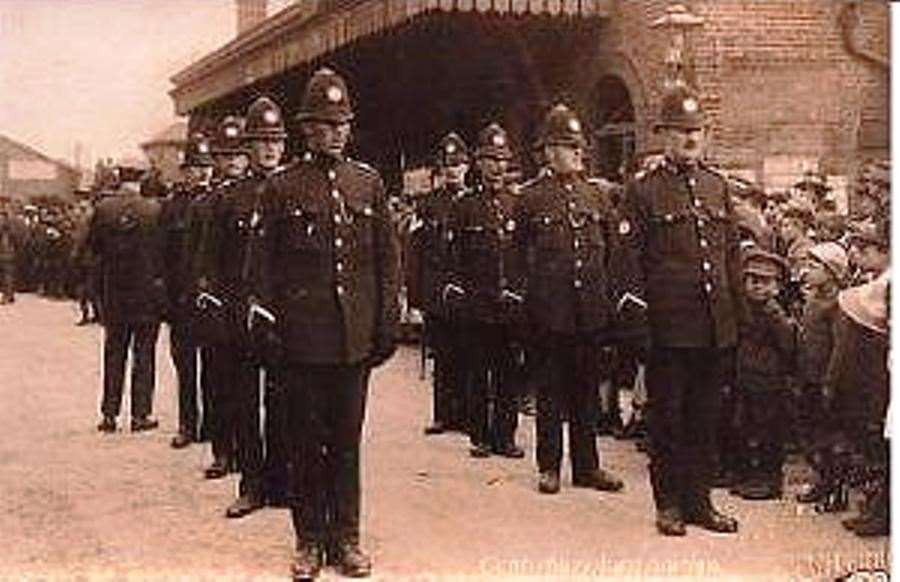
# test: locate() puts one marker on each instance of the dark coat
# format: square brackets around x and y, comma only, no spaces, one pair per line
[766,348]
[126,236]
[180,250]
[485,259]
[566,237]
[334,264]
[431,247]
[682,226]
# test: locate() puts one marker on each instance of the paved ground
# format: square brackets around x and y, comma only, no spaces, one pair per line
[76,504]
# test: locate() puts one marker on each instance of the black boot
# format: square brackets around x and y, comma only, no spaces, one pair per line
[307,562]
[350,559]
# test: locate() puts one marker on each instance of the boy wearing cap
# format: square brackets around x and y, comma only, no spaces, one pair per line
[823,275]
[765,357]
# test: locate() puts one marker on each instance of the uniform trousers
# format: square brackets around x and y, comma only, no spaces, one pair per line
[326,411]
[567,389]
[276,471]
[684,389]
[183,350]
[489,362]
[219,365]
[449,403]
[141,339]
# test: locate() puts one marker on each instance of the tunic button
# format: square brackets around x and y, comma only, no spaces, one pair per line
[700,223]
[579,263]
[692,182]
[707,287]
[332,175]
[340,289]
[335,194]
[568,187]
[338,242]
[577,244]
[337,218]
[578,283]
[706,266]
[339,267]
[704,243]
[697,203]
[571,205]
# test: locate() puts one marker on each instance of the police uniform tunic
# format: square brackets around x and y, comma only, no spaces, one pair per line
[432,243]
[487,264]
[335,274]
[681,224]
[564,226]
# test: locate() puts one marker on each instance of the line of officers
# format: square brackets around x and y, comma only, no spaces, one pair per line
[560,268]
[285,278]
[291,274]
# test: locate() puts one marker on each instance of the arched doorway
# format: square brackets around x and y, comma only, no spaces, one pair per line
[613,124]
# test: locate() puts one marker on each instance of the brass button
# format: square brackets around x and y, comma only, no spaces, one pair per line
[338,242]
[708,287]
[340,289]
[337,218]
[577,244]
[578,284]
[332,175]
[339,267]
[706,266]
[697,203]
[704,243]
[579,263]
[336,194]
[700,223]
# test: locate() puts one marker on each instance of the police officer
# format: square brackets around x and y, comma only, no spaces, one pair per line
[487,283]
[240,266]
[681,222]
[197,168]
[432,242]
[210,322]
[564,234]
[335,290]
[127,238]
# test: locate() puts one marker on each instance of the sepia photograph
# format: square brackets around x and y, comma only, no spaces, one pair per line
[445,290]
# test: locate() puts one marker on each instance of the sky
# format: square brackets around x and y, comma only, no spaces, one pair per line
[97,71]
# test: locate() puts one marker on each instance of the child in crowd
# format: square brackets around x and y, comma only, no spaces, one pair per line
[765,358]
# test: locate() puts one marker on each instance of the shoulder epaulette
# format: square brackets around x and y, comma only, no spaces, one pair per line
[363,166]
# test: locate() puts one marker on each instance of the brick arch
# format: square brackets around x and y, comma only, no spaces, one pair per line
[622,67]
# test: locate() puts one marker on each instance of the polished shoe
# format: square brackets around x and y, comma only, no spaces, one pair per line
[181,440]
[548,482]
[712,520]
[108,424]
[510,450]
[480,451]
[436,428]
[759,490]
[350,560]
[600,480]
[144,423]
[82,321]
[850,523]
[244,505]
[669,522]
[217,470]
[872,526]
[307,562]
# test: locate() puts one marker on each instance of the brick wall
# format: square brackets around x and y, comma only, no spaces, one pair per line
[782,90]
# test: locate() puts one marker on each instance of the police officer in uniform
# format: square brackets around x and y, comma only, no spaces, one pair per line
[487,283]
[197,168]
[12,233]
[564,235]
[210,321]
[240,267]
[681,223]
[432,241]
[127,237]
[335,269]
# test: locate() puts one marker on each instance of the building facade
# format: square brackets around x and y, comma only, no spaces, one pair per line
[790,85]
[165,151]
[26,173]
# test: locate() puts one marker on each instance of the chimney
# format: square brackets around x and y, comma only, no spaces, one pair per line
[250,13]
